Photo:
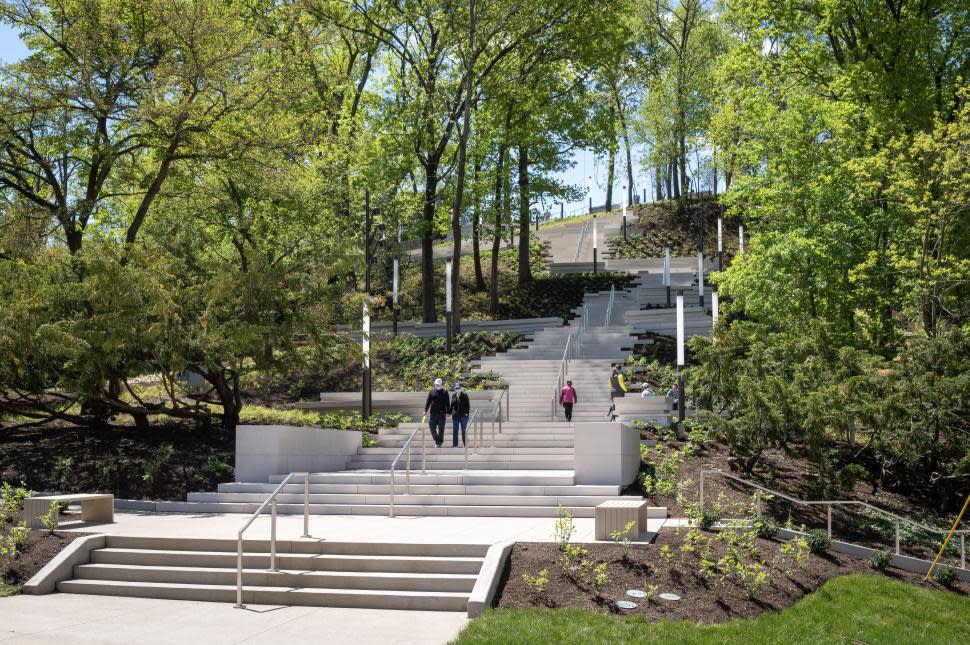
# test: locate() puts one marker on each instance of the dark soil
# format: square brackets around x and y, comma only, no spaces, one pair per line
[38,549]
[125,461]
[659,225]
[704,600]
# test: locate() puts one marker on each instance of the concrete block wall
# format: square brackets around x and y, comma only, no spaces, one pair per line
[263,451]
[606,453]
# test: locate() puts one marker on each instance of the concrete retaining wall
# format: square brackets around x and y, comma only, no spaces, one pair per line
[262,451]
[606,453]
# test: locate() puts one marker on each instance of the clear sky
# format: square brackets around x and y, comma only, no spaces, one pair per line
[12,49]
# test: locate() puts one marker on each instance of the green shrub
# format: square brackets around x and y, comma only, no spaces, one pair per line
[536,584]
[766,528]
[945,575]
[819,541]
[880,560]
[13,496]
[848,475]
[50,519]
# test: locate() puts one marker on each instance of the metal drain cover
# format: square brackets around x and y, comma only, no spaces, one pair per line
[636,593]
[625,604]
[670,596]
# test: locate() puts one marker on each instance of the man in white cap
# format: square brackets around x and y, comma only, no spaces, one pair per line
[436,408]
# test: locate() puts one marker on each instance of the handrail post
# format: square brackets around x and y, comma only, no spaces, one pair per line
[407,472]
[272,538]
[700,501]
[424,450]
[391,504]
[829,519]
[239,567]
[963,550]
[306,505]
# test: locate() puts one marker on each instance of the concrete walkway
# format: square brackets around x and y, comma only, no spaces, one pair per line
[347,528]
[73,618]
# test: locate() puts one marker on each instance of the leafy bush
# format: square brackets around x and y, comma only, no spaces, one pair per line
[623,536]
[564,528]
[766,528]
[13,496]
[848,475]
[880,560]
[537,584]
[819,541]
[945,575]
[50,519]
[257,415]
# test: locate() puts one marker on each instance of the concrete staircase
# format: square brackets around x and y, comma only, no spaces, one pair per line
[436,577]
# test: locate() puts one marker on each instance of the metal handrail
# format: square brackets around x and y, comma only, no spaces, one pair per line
[579,241]
[465,439]
[272,539]
[830,503]
[497,411]
[561,376]
[609,307]
[407,471]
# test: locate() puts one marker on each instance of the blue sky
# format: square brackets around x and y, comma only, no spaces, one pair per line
[12,49]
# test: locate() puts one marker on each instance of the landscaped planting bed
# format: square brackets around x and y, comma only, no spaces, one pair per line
[658,226]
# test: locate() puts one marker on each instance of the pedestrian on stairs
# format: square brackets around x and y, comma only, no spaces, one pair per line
[617,386]
[568,398]
[460,408]
[436,407]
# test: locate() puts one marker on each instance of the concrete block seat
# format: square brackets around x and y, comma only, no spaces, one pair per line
[95,507]
[614,515]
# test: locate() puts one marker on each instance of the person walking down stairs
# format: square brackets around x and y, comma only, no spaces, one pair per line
[617,386]
[436,407]
[460,408]
[568,398]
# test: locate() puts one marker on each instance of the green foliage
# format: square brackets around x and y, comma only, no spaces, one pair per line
[11,541]
[819,541]
[50,519]
[12,497]
[623,536]
[880,560]
[848,475]
[945,574]
[766,528]
[564,528]
[537,584]
[62,470]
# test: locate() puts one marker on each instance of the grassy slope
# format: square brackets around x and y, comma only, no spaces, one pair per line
[855,608]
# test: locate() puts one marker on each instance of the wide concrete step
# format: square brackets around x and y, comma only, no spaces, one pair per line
[291,561]
[481,452]
[421,489]
[294,596]
[261,577]
[380,509]
[545,477]
[404,499]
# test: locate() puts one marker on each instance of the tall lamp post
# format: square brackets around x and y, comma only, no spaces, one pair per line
[448,305]
[700,278]
[365,404]
[681,412]
[666,278]
[624,212]
[394,301]
[720,244]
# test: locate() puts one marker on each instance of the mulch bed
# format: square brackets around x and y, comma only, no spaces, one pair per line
[116,459]
[38,549]
[703,600]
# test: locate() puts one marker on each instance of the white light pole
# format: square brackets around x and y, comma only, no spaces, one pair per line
[365,347]
[448,304]
[666,278]
[720,244]
[741,239]
[714,307]
[680,358]
[394,301]
[624,212]
[700,278]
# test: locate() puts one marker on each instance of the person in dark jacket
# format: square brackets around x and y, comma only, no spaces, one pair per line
[460,409]
[436,407]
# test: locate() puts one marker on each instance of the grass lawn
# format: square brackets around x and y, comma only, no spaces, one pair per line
[855,608]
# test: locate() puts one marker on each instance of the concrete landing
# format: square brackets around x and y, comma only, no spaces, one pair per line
[70,618]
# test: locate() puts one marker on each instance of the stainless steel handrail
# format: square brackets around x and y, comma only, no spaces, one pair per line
[272,539]
[497,411]
[560,378]
[407,471]
[830,503]
[464,440]
[579,241]
[609,307]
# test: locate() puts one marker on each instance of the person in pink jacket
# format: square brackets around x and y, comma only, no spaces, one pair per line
[568,397]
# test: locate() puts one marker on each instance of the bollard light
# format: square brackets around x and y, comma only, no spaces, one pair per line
[720,240]
[714,307]
[681,412]
[700,278]
[448,286]
[666,276]
[741,239]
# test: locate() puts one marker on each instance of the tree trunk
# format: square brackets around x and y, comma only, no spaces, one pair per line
[525,268]
[427,244]
[658,178]
[610,170]
[460,179]
[477,231]
[497,229]
[672,181]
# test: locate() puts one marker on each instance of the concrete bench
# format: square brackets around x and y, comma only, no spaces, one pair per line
[642,404]
[615,514]
[95,507]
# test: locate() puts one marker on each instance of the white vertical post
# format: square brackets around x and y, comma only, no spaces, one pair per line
[741,239]
[700,277]
[714,307]
[720,239]
[680,330]
[624,210]
[666,281]
[448,286]
[365,338]
[594,234]
[396,280]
